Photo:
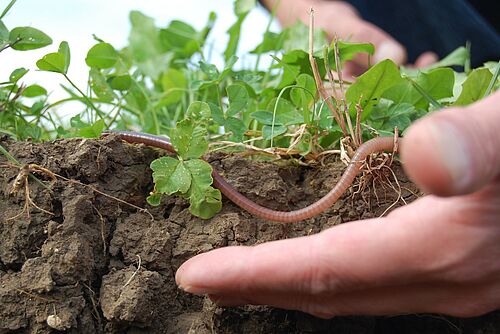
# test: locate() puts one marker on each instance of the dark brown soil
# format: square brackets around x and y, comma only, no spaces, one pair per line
[76,270]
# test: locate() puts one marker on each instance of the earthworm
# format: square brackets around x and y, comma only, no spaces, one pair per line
[375,145]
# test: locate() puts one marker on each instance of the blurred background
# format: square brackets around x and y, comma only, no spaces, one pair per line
[75,21]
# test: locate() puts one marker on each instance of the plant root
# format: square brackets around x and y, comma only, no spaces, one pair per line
[26,171]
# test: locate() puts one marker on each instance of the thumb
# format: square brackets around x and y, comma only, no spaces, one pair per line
[455,151]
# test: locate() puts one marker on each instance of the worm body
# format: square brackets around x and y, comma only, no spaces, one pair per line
[375,145]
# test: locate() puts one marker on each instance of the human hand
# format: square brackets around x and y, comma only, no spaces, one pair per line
[438,254]
[341,18]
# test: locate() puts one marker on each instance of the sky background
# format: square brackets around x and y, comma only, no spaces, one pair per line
[75,21]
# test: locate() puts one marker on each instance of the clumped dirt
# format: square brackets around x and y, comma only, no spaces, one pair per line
[99,265]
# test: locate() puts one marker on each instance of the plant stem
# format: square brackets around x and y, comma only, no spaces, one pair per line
[426,95]
[6,10]
[493,81]
[86,98]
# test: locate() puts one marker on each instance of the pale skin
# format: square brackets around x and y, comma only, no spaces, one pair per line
[439,254]
[341,19]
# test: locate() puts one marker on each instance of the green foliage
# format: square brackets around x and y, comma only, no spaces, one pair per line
[57,61]
[187,176]
[370,86]
[101,56]
[28,38]
[163,82]
[474,87]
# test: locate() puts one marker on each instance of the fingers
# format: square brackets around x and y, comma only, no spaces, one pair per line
[426,59]
[353,256]
[335,18]
[470,300]
[455,151]
[340,18]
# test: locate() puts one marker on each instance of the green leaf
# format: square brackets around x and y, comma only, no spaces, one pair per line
[370,86]
[92,131]
[37,107]
[100,86]
[174,84]
[297,38]
[154,199]
[17,74]
[396,115]
[145,47]
[4,34]
[34,91]
[348,50]
[189,140]
[437,84]
[304,96]
[28,38]
[474,87]
[234,37]
[238,99]
[64,50]
[53,62]
[236,126]
[205,200]
[201,173]
[456,58]
[206,205]
[120,82]
[269,132]
[242,7]
[102,56]
[217,113]
[271,42]
[144,37]
[181,38]
[286,113]
[198,110]
[170,176]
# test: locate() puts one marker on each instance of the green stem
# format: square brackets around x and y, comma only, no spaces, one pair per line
[493,81]
[9,156]
[86,98]
[426,95]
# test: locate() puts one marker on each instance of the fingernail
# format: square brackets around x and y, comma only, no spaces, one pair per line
[390,50]
[452,149]
[194,290]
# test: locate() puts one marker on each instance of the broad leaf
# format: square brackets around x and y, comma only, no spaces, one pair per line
[207,204]
[102,56]
[474,87]
[170,176]
[189,140]
[28,38]
[64,50]
[174,84]
[17,74]
[198,110]
[370,86]
[53,62]
[238,99]
[100,86]
[34,91]
[205,200]
[437,83]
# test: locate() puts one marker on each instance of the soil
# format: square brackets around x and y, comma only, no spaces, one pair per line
[99,265]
